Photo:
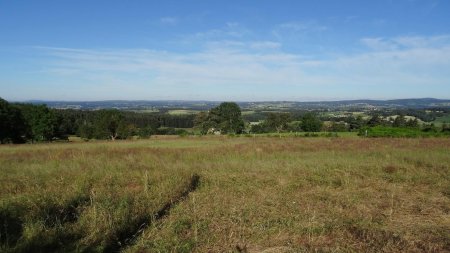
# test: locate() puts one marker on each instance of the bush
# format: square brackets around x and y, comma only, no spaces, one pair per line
[146,132]
[310,123]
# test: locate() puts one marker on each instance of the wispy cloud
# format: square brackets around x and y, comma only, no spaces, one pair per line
[379,22]
[302,26]
[257,69]
[378,44]
[231,30]
[168,20]
[351,18]
[265,45]
[406,42]
[298,29]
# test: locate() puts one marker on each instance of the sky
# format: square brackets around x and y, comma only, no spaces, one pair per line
[234,50]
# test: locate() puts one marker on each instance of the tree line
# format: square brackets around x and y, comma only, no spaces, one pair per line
[26,122]
[312,122]
[21,123]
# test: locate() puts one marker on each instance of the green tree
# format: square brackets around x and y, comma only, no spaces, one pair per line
[145,132]
[226,117]
[86,130]
[66,122]
[412,123]
[258,128]
[430,128]
[338,127]
[445,127]
[12,125]
[355,123]
[41,122]
[310,123]
[278,121]
[108,123]
[126,130]
[376,120]
[294,126]
[202,122]
[400,121]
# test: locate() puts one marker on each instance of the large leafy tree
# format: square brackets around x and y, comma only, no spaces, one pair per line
[278,121]
[41,122]
[201,122]
[108,124]
[400,121]
[226,117]
[86,130]
[12,125]
[412,123]
[355,123]
[376,120]
[310,123]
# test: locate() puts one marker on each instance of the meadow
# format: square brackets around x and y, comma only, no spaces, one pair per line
[227,194]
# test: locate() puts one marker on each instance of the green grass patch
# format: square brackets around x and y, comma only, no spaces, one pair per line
[182,112]
[305,134]
[444,119]
[381,131]
[248,112]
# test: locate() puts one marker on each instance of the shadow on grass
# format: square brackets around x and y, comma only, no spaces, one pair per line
[49,225]
[128,235]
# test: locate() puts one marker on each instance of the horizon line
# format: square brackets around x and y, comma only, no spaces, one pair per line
[237,101]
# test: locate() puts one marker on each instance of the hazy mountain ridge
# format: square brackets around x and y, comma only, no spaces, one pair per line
[203,105]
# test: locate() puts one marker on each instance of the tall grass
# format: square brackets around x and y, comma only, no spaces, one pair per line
[255,194]
[81,199]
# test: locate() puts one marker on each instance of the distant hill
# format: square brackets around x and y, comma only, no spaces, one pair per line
[204,105]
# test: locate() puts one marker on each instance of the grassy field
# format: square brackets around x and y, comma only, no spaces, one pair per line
[153,110]
[182,112]
[306,134]
[444,119]
[224,194]
[248,112]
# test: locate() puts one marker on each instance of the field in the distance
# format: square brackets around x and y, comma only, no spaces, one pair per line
[225,194]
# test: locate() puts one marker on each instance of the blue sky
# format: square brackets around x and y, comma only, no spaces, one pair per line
[224,50]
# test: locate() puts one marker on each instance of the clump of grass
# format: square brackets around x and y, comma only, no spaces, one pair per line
[390,169]
[29,219]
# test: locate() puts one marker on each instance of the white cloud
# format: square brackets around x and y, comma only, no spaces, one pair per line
[265,45]
[297,29]
[420,41]
[402,63]
[231,30]
[406,42]
[378,44]
[351,18]
[168,20]
[302,26]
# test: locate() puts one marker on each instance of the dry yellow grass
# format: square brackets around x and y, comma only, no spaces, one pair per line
[255,194]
